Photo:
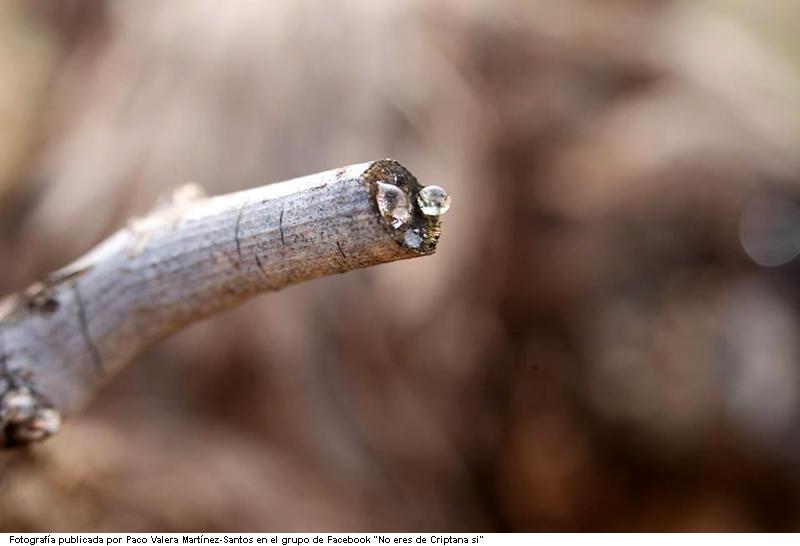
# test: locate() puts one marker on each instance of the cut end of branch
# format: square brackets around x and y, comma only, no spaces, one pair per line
[410,211]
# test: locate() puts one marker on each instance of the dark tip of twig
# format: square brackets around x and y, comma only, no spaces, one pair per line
[410,211]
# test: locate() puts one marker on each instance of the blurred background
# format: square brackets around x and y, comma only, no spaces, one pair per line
[607,340]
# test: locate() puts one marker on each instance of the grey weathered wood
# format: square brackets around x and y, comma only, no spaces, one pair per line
[190,258]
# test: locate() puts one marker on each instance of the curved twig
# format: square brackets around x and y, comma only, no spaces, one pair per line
[190,258]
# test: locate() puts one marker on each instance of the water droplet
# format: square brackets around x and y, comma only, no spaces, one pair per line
[393,204]
[433,201]
[412,239]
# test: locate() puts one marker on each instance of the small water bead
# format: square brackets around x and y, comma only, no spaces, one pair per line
[412,239]
[433,201]
[393,204]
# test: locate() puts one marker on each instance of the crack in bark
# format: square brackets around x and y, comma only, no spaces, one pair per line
[260,265]
[280,227]
[84,327]
[2,350]
[236,234]
[12,382]
[4,357]
[341,251]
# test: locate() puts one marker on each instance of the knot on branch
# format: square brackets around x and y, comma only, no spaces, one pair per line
[25,416]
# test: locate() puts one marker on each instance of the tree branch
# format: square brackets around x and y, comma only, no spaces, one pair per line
[193,257]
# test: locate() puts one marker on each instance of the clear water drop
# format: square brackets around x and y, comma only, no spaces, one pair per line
[393,204]
[412,239]
[433,201]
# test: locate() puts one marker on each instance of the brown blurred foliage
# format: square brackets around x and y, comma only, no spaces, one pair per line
[591,348]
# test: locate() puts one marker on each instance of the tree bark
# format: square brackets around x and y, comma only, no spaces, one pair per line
[193,257]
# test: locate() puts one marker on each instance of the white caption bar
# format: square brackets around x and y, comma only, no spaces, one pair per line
[388,539]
